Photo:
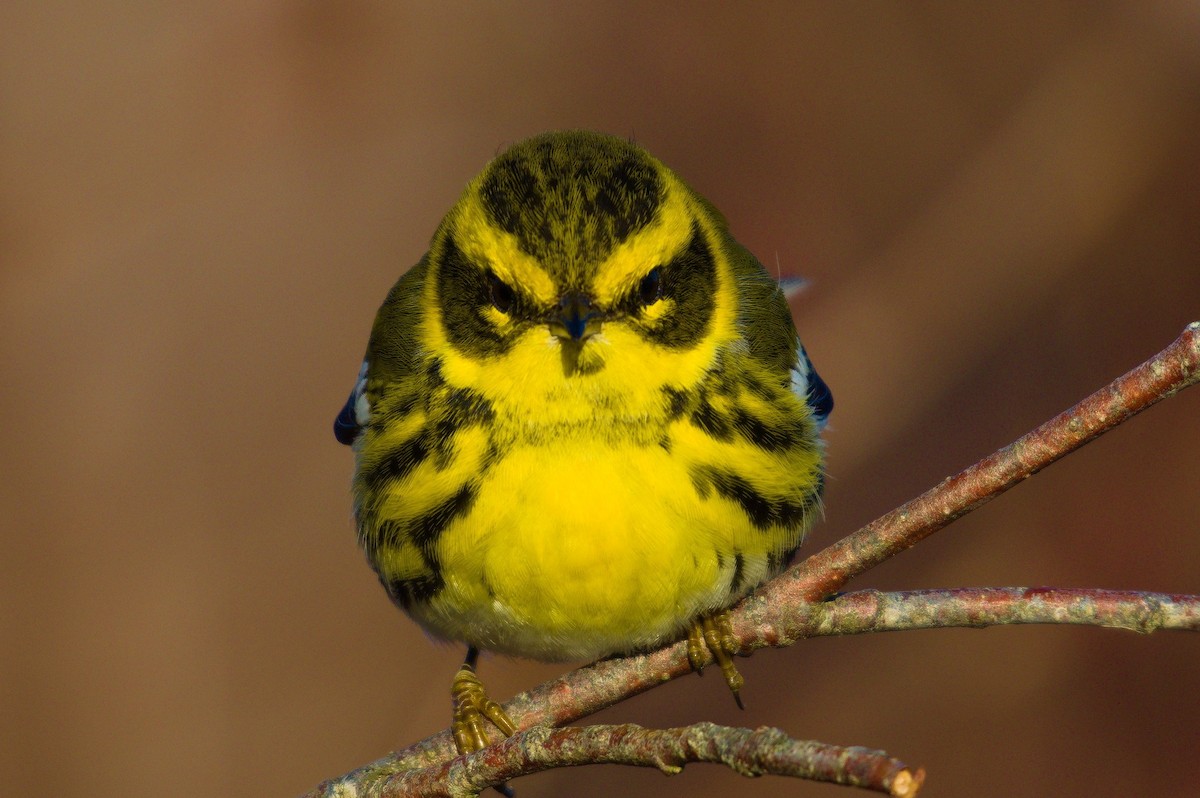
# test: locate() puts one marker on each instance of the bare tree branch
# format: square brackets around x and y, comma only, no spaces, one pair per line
[757,752]
[873,611]
[783,610]
[770,751]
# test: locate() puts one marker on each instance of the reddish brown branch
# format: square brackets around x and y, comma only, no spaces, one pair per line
[872,611]
[757,752]
[774,614]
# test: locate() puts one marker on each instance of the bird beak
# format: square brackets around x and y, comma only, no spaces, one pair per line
[575,318]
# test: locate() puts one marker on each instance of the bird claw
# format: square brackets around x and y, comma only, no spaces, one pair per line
[471,708]
[714,634]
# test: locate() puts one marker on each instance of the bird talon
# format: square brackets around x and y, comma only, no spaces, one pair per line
[715,633]
[471,707]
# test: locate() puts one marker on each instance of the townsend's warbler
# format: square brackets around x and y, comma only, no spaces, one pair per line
[584,424]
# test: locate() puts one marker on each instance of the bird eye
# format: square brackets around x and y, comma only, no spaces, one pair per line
[500,293]
[650,288]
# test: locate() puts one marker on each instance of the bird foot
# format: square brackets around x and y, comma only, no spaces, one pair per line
[714,634]
[471,707]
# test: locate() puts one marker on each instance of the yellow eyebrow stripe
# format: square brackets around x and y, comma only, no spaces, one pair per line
[656,244]
[483,242]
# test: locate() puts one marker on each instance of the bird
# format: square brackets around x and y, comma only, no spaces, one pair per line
[584,425]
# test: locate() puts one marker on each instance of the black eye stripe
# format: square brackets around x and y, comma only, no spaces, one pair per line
[464,292]
[690,279]
[466,289]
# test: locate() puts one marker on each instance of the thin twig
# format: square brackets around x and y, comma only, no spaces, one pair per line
[757,752]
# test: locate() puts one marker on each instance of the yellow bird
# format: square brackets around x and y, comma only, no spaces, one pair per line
[585,424]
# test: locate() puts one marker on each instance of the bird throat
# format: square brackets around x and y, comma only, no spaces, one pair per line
[581,358]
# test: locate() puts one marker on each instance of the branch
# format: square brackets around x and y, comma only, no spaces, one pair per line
[758,752]
[776,613]
[872,611]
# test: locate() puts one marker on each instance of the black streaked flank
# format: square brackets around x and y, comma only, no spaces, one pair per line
[771,439]
[436,439]
[407,592]
[399,462]
[706,417]
[393,410]
[491,456]
[388,534]
[763,512]
[450,411]
[757,387]
[404,592]
[424,531]
[724,379]
[427,528]
[677,402]
[464,407]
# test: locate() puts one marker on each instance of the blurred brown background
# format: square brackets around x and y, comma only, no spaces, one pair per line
[201,207]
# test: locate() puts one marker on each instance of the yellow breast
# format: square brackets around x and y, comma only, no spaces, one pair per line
[598,518]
